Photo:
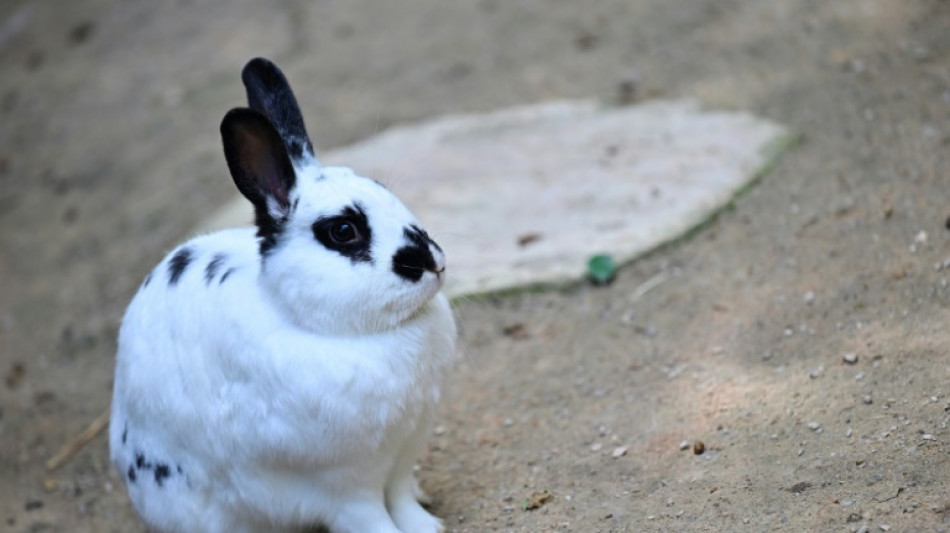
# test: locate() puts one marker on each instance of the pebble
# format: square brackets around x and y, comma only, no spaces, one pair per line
[619,451]
[850,358]
[814,426]
[867,399]
[684,444]
[928,436]
[596,447]
[809,297]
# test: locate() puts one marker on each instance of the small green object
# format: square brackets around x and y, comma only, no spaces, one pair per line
[601,269]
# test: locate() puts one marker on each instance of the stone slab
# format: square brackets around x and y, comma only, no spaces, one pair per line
[524,196]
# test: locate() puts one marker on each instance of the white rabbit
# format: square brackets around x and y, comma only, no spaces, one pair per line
[285,380]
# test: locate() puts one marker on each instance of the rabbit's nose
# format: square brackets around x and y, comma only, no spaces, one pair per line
[419,255]
[438,259]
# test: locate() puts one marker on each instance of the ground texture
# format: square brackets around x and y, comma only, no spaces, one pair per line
[801,335]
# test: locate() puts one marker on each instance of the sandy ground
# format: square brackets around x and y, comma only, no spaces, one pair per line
[109,153]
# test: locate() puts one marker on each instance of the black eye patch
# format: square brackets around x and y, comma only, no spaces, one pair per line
[347,233]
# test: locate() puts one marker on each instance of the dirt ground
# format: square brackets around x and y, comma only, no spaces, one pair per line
[802,335]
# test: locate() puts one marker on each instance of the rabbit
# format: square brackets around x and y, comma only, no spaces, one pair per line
[285,377]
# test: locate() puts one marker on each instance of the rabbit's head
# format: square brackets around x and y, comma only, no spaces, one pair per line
[339,252]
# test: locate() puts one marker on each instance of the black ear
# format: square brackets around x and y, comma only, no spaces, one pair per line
[269,92]
[259,164]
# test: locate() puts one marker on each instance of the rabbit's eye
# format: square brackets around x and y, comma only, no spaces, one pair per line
[344,232]
[347,233]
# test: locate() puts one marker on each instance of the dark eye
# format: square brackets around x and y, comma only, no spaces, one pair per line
[348,233]
[343,232]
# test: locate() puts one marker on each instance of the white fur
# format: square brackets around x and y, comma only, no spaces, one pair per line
[298,391]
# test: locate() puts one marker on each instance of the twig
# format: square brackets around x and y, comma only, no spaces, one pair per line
[73,447]
[648,286]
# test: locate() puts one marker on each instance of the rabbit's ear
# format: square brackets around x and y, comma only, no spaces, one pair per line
[259,164]
[269,92]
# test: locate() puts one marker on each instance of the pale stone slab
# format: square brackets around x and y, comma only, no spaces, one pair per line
[526,195]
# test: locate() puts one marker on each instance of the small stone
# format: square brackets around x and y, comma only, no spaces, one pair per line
[809,297]
[867,399]
[928,436]
[596,447]
[619,451]
[699,447]
[33,505]
[814,426]
[848,432]
[684,444]
[50,484]
[536,500]
[850,358]
[799,487]
[884,527]
[438,430]
[859,376]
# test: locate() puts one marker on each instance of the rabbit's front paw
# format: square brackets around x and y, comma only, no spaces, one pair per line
[410,517]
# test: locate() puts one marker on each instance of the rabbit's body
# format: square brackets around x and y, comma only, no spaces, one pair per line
[285,379]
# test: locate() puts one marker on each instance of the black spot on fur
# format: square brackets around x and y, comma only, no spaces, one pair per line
[212,269]
[161,473]
[410,262]
[352,220]
[179,262]
[420,235]
[140,462]
[268,232]
[125,433]
[226,274]
[131,473]
[178,468]
[148,279]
